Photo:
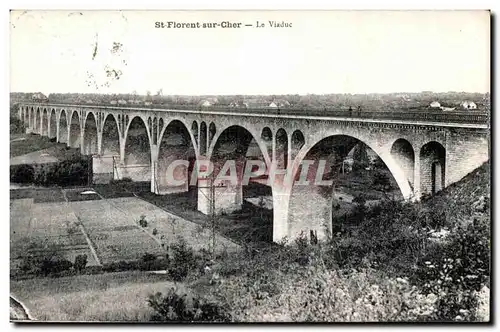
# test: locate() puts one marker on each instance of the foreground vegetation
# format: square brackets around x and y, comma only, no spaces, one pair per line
[395,262]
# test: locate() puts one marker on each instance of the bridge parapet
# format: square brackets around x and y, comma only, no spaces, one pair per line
[423,115]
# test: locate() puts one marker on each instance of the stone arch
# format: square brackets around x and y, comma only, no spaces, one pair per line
[229,153]
[110,141]
[175,144]
[194,130]
[128,123]
[203,138]
[211,132]
[63,126]
[137,151]
[74,130]
[402,151]
[90,133]
[266,137]
[52,124]
[44,125]
[331,151]
[297,142]
[155,130]
[432,168]
[281,149]
[38,121]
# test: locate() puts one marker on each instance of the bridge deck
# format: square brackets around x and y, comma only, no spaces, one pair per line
[464,119]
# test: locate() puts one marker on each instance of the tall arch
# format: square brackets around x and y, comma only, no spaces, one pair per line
[90,135]
[298,141]
[45,123]
[402,151]
[281,149]
[233,147]
[74,130]
[320,183]
[211,132]
[105,165]
[194,130]
[432,168]
[203,138]
[266,137]
[137,153]
[63,126]
[175,144]
[53,124]
[38,121]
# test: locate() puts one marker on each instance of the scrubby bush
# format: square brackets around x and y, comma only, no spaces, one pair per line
[185,308]
[183,260]
[80,262]
[21,173]
[143,222]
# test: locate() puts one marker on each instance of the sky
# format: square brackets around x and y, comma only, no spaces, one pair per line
[323,52]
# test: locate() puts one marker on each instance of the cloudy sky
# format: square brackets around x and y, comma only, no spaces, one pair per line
[323,52]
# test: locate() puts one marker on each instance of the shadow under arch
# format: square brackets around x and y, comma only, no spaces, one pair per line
[63,127]
[432,168]
[74,130]
[176,144]
[232,148]
[137,151]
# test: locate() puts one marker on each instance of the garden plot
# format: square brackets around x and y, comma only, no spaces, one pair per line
[169,227]
[113,231]
[38,227]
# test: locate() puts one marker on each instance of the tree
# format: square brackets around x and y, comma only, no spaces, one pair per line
[360,157]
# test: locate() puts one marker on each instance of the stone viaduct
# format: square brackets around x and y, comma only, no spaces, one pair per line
[425,151]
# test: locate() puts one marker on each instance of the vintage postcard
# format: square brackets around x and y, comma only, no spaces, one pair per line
[250,166]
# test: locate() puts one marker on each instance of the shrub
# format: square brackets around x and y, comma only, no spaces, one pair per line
[21,173]
[183,260]
[155,231]
[185,308]
[80,262]
[143,222]
[456,270]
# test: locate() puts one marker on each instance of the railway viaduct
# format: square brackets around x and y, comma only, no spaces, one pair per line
[424,151]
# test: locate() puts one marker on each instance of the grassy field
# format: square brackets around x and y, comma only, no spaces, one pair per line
[118,296]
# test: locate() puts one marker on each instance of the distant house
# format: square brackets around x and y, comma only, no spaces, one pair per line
[435,104]
[238,104]
[39,97]
[89,101]
[470,105]
[279,103]
[122,102]
[205,103]
[147,103]
[113,102]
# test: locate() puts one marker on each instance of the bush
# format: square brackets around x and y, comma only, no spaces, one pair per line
[80,262]
[184,308]
[456,270]
[21,173]
[143,222]
[183,260]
